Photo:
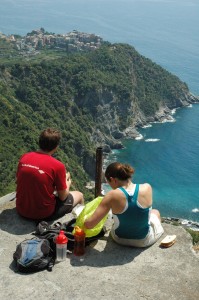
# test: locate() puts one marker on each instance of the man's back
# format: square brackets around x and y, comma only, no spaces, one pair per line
[38,176]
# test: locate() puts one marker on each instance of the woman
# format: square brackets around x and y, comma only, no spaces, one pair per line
[135,222]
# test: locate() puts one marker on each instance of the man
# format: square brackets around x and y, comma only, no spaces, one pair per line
[42,182]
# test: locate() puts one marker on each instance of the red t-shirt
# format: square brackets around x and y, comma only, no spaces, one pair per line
[38,176]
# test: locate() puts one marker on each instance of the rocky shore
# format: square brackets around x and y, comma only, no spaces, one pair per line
[164,114]
[182,222]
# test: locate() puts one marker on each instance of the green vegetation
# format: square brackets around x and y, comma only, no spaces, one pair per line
[195,236]
[71,92]
[7,51]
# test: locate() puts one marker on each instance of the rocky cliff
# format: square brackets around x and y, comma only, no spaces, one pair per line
[136,92]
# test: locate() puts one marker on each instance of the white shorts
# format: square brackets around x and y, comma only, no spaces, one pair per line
[155,232]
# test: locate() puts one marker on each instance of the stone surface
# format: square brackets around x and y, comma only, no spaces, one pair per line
[107,271]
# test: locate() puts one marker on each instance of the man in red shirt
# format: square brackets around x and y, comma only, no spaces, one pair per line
[39,177]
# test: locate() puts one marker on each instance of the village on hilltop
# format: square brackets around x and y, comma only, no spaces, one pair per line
[36,40]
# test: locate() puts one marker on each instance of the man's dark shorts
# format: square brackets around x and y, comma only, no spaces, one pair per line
[62,208]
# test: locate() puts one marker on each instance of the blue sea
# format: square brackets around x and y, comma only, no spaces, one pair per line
[166,31]
[167,158]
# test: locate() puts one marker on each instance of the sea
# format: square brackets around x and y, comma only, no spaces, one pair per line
[167,32]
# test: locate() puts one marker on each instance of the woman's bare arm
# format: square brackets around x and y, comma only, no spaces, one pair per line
[100,212]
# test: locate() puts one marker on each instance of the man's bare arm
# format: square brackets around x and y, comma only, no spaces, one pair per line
[63,194]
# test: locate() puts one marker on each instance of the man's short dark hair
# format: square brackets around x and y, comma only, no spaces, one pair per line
[49,139]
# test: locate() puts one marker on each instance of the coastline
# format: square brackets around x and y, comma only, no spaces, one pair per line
[164,115]
[187,224]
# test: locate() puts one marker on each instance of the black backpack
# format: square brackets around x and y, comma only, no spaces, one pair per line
[49,232]
[33,255]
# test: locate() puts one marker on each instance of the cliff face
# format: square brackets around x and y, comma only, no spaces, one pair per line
[132,92]
[109,130]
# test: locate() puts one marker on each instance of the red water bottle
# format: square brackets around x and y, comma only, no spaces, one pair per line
[79,246]
[61,246]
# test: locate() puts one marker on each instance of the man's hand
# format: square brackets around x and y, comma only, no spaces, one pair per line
[68,180]
[68,176]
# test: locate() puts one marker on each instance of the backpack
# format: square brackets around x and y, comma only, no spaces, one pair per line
[49,232]
[33,255]
[39,253]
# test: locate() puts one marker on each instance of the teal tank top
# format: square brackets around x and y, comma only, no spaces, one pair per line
[134,221]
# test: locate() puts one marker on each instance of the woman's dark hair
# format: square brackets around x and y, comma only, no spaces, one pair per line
[49,139]
[119,170]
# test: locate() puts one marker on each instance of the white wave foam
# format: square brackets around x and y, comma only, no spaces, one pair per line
[147,126]
[173,111]
[139,137]
[152,140]
[195,210]
[115,151]
[190,106]
[171,120]
[184,222]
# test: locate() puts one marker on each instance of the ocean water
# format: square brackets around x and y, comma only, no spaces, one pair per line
[167,158]
[166,31]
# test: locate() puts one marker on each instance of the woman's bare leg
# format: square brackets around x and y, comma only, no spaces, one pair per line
[157,213]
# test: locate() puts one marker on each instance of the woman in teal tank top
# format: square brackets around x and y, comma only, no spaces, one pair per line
[135,222]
